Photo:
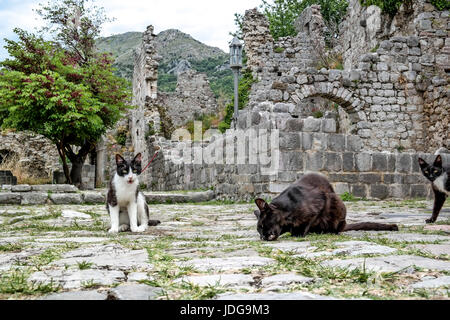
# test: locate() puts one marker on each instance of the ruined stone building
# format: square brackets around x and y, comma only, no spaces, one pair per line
[387,106]
[360,113]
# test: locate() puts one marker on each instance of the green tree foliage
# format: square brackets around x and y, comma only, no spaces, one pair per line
[75,25]
[62,90]
[283,13]
[441,4]
[387,6]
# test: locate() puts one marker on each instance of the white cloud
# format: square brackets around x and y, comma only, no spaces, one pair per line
[208,21]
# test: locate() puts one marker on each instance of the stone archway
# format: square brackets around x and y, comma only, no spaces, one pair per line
[344,97]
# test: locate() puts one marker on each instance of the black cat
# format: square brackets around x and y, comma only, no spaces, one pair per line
[438,175]
[308,205]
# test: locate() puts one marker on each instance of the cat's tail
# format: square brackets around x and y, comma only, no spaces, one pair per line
[153,223]
[370,226]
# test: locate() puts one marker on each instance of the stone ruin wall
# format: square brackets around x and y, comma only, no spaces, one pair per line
[37,154]
[384,96]
[192,98]
[270,60]
[365,29]
[155,113]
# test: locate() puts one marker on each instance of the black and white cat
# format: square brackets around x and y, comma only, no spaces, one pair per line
[125,203]
[439,177]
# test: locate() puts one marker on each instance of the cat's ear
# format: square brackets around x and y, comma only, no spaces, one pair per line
[422,163]
[119,159]
[261,204]
[138,158]
[438,162]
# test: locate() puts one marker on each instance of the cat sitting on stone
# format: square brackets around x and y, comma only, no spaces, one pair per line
[438,175]
[125,203]
[310,205]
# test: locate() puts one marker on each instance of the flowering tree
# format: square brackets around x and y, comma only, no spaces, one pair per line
[62,89]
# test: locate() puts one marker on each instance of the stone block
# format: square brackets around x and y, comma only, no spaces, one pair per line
[348,161]
[391,160]
[335,75]
[379,191]
[370,178]
[314,161]
[94,197]
[344,177]
[363,162]
[403,163]
[294,125]
[10,198]
[415,179]
[291,161]
[66,198]
[278,187]
[319,141]
[354,143]
[379,162]
[281,108]
[399,191]
[359,190]
[287,176]
[311,124]
[333,161]
[336,142]
[393,178]
[290,141]
[329,125]
[341,188]
[21,188]
[34,198]
[307,140]
[245,169]
[419,191]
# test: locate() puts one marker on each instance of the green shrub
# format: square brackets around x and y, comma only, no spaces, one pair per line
[121,137]
[387,6]
[441,4]
[318,114]
[346,196]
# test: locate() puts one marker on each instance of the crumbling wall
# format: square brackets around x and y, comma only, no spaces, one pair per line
[192,98]
[36,153]
[387,95]
[425,30]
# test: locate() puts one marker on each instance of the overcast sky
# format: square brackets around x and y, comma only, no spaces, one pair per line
[208,21]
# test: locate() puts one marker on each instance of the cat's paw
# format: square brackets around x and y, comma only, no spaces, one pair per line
[113,230]
[430,221]
[139,229]
[124,228]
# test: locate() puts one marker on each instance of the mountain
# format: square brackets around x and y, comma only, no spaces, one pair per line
[179,51]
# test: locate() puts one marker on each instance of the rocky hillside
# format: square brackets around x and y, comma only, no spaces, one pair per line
[179,52]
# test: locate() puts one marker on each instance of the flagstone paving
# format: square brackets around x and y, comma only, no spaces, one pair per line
[212,251]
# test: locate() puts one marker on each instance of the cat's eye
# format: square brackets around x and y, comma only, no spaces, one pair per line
[427,172]
[135,171]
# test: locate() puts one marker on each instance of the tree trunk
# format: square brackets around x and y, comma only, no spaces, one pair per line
[76,172]
[77,160]
[63,157]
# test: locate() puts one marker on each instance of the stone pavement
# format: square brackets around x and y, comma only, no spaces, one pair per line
[212,251]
